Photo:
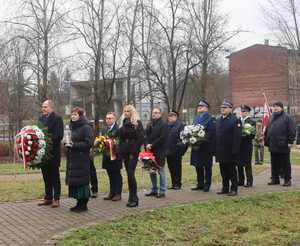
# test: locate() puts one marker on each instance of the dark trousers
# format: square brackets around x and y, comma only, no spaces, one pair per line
[115,181]
[280,164]
[175,168]
[259,153]
[51,178]
[242,169]
[130,165]
[204,173]
[229,174]
[94,179]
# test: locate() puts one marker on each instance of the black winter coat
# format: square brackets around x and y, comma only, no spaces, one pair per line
[246,148]
[55,126]
[131,138]
[78,156]
[228,138]
[107,163]
[173,146]
[156,135]
[279,133]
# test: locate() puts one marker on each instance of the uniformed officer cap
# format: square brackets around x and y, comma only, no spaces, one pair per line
[203,103]
[245,108]
[227,103]
[173,112]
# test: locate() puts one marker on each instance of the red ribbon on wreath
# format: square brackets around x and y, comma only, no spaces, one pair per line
[112,149]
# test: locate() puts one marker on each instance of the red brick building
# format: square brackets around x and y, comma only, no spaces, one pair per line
[3,101]
[273,70]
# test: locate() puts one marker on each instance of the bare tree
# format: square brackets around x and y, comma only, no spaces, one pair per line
[210,35]
[282,18]
[99,27]
[131,38]
[14,62]
[42,26]
[178,45]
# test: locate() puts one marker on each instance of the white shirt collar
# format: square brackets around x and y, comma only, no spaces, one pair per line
[112,126]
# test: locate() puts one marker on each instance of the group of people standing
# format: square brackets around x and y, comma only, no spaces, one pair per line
[224,139]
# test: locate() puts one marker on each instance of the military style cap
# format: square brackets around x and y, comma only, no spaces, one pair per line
[203,103]
[173,112]
[245,108]
[227,103]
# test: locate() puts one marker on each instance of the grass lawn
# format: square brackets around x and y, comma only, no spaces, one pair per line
[16,189]
[22,187]
[25,187]
[14,169]
[266,219]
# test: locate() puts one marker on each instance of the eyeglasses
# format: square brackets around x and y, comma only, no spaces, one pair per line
[224,107]
[109,118]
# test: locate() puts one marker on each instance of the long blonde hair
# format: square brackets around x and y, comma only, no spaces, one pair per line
[134,116]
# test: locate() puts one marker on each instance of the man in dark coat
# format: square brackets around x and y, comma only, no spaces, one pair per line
[228,140]
[113,168]
[246,149]
[50,170]
[174,150]
[156,136]
[280,135]
[202,156]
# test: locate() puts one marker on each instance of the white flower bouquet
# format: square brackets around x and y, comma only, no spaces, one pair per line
[192,135]
[248,130]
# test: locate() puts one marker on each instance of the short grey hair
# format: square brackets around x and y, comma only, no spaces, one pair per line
[50,103]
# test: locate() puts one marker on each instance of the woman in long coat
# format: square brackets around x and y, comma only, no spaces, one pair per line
[131,136]
[78,160]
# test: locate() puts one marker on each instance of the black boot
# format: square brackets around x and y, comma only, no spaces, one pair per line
[274,181]
[206,188]
[82,206]
[133,202]
[287,183]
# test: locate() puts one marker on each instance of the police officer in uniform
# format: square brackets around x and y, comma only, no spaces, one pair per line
[202,157]
[228,140]
[246,148]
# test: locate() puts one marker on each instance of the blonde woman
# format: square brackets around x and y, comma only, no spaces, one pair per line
[131,135]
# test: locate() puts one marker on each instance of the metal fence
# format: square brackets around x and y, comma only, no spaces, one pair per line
[7,134]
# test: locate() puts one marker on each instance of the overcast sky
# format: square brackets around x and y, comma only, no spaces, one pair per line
[247,15]
[243,14]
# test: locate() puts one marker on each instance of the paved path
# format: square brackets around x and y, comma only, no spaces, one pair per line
[27,224]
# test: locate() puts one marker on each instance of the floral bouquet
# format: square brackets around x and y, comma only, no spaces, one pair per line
[106,146]
[248,130]
[31,144]
[193,135]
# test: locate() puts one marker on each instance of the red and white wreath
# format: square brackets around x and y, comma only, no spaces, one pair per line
[31,145]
